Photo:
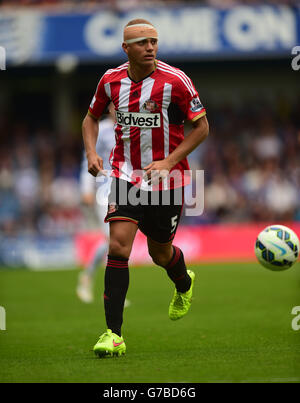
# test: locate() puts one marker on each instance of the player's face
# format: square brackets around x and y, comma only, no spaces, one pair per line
[142,52]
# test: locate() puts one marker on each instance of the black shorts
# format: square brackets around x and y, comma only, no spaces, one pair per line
[157,213]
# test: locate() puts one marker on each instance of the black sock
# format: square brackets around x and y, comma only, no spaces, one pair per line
[116,284]
[176,270]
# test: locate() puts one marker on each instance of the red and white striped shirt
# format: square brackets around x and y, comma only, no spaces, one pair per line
[149,119]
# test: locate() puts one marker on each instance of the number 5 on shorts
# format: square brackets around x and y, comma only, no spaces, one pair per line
[174,223]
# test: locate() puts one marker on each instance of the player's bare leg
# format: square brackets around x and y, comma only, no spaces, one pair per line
[122,234]
[161,253]
[171,258]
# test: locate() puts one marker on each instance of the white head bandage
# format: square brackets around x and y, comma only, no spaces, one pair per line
[139,32]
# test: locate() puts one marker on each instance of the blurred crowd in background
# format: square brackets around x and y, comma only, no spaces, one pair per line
[135,3]
[251,163]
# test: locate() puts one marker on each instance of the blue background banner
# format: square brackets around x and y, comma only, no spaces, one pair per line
[188,33]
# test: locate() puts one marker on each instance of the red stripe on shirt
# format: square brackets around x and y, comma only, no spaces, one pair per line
[118,151]
[134,106]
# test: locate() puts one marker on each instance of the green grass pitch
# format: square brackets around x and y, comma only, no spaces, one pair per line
[238,329]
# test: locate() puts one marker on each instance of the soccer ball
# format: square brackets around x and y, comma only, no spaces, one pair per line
[277,247]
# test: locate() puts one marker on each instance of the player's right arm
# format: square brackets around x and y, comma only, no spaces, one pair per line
[90,127]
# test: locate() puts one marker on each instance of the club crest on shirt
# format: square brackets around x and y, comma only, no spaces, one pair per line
[196,105]
[150,105]
[112,208]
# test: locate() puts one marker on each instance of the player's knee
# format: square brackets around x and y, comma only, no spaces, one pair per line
[118,248]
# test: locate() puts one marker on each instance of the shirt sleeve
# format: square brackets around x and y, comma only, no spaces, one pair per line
[190,102]
[100,100]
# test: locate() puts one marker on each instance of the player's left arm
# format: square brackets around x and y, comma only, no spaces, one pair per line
[194,138]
